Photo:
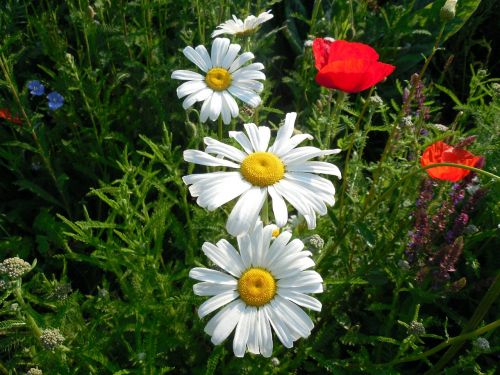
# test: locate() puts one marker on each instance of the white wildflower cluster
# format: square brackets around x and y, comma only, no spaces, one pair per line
[14,268]
[51,338]
[416,328]
[34,371]
[481,344]
[262,284]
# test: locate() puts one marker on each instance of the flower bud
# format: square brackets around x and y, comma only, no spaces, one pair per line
[448,11]
[51,338]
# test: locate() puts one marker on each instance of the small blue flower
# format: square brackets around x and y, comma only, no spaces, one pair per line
[36,88]
[56,100]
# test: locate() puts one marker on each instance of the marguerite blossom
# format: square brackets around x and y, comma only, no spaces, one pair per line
[282,171]
[261,286]
[240,28]
[224,75]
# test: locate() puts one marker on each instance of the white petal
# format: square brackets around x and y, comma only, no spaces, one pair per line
[250,85]
[197,97]
[296,318]
[219,148]
[254,333]
[279,207]
[219,50]
[215,106]
[202,158]
[284,133]
[202,51]
[245,246]
[232,254]
[259,136]
[245,75]
[242,59]
[211,276]
[246,211]
[230,55]
[303,192]
[247,96]
[216,302]
[316,167]
[205,108]
[261,248]
[301,154]
[224,258]
[230,103]
[312,182]
[279,326]
[301,279]
[265,334]
[277,246]
[187,75]
[190,87]
[243,140]
[242,333]
[195,58]
[301,299]
[223,193]
[211,289]
[214,322]
[296,201]
[225,111]
[293,268]
[256,244]
[287,257]
[293,142]
[227,323]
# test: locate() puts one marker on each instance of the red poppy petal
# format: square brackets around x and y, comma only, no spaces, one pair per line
[377,72]
[440,152]
[321,48]
[342,50]
[353,75]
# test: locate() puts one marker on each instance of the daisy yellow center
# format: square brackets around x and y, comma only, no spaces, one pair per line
[218,79]
[256,287]
[262,169]
[276,232]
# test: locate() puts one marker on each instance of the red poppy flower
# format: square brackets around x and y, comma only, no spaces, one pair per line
[440,152]
[348,66]
[5,114]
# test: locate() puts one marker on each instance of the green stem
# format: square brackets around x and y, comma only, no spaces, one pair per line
[348,156]
[452,341]
[41,151]
[336,117]
[314,16]
[219,128]
[265,212]
[388,192]
[489,298]
[377,173]
[26,308]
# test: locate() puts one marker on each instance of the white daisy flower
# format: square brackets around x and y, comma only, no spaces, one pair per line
[282,171]
[262,286]
[224,75]
[240,28]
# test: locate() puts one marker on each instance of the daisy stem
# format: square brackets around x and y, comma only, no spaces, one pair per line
[336,117]
[265,212]
[387,193]
[219,128]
